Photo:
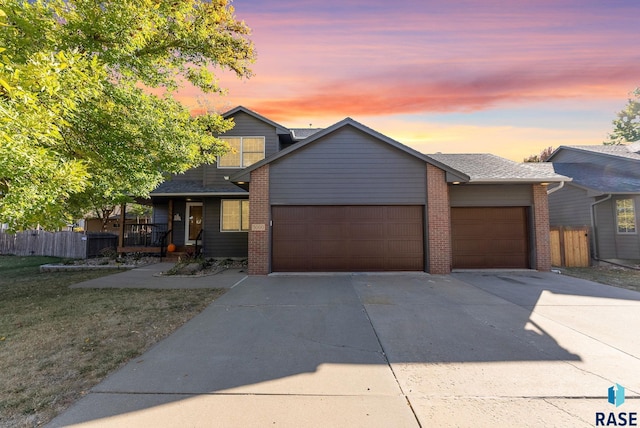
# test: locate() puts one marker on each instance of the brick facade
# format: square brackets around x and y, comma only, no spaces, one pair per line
[541,227]
[438,222]
[259,222]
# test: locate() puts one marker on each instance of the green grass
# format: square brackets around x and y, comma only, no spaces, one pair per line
[57,342]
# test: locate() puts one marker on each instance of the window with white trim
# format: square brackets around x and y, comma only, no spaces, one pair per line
[235,215]
[244,152]
[626,216]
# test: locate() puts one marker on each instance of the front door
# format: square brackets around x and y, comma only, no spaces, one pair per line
[194,222]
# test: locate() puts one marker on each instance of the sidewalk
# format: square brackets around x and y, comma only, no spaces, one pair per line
[149,277]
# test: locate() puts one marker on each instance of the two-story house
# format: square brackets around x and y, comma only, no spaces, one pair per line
[347,198]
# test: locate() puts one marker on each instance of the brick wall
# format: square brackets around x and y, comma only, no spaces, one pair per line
[259,227]
[541,226]
[438,222]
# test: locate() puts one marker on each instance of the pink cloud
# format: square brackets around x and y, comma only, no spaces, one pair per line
[420,90]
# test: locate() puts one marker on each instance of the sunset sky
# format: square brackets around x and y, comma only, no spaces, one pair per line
[508,77]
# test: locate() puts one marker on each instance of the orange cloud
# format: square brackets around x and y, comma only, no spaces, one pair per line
[413,91]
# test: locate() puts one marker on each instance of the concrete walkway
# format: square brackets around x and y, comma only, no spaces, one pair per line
[149,277]
[501,349]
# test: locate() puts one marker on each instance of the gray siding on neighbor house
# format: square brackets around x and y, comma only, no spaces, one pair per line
[245,126]
[348,167]
[606,230]
[570,206]
[217,243]
[627,244]
[491,195]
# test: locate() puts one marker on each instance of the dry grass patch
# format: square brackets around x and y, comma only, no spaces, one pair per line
[609,275]
[57,342]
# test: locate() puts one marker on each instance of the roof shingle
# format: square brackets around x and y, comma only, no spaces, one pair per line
[488,168]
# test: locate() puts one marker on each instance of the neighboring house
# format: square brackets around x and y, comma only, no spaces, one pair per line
[604,195]
[347,198]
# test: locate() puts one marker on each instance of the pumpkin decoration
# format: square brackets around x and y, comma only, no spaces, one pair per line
[171,248]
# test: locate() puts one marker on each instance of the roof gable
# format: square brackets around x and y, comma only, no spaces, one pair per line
[348,122]
[623,151]
[279,128]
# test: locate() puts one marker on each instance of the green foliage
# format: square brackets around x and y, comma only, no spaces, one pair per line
[626,127]
[79,125]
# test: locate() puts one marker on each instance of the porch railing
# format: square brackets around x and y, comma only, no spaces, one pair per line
[144,235]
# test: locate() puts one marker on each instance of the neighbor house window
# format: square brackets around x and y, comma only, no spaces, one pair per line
[235,215]
[626,216]
[244,151]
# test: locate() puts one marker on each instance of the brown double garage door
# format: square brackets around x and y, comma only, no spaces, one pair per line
[347,238]
[391,238]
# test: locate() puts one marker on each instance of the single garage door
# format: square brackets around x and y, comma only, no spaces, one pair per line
[490,237]
[347,238]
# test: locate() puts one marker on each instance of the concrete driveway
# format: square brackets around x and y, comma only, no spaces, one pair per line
[467,349]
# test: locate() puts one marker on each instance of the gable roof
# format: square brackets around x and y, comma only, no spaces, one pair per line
[244,175]
[488,168]
[627,151]
[600,178]
[279,128]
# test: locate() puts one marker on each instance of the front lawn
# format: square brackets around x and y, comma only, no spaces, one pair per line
[57,342]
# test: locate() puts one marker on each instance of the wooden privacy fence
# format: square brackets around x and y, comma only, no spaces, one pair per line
[570,246]
[72,245]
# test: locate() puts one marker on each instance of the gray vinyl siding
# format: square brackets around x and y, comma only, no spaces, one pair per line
[491,195]
[221,244]
[193,174]
[627,244]
[348,167]
[179,207]
[245,126]
[606,230]
[570,206]
[161,213]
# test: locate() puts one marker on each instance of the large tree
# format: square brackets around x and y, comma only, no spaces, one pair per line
[81,124]
[626,126]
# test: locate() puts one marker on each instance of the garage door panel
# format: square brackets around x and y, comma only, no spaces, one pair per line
[365,213]
[348,238]
[332,247]
[370,230]
[323,231]
[293,248]
[293,230]
[490,237]
[409,230]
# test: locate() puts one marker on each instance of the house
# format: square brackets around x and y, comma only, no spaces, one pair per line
[347,198]
[603,195]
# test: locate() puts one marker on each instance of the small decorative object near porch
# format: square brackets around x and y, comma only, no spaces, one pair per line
[171,248]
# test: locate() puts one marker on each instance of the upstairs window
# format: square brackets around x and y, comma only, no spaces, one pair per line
[626,216]
[245,151]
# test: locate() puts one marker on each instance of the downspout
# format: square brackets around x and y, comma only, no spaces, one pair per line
[555,189]
[593,226]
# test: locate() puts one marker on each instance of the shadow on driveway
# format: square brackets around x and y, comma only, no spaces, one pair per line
[356,349]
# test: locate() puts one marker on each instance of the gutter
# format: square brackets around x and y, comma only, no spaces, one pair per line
[593,225]
[555,189]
